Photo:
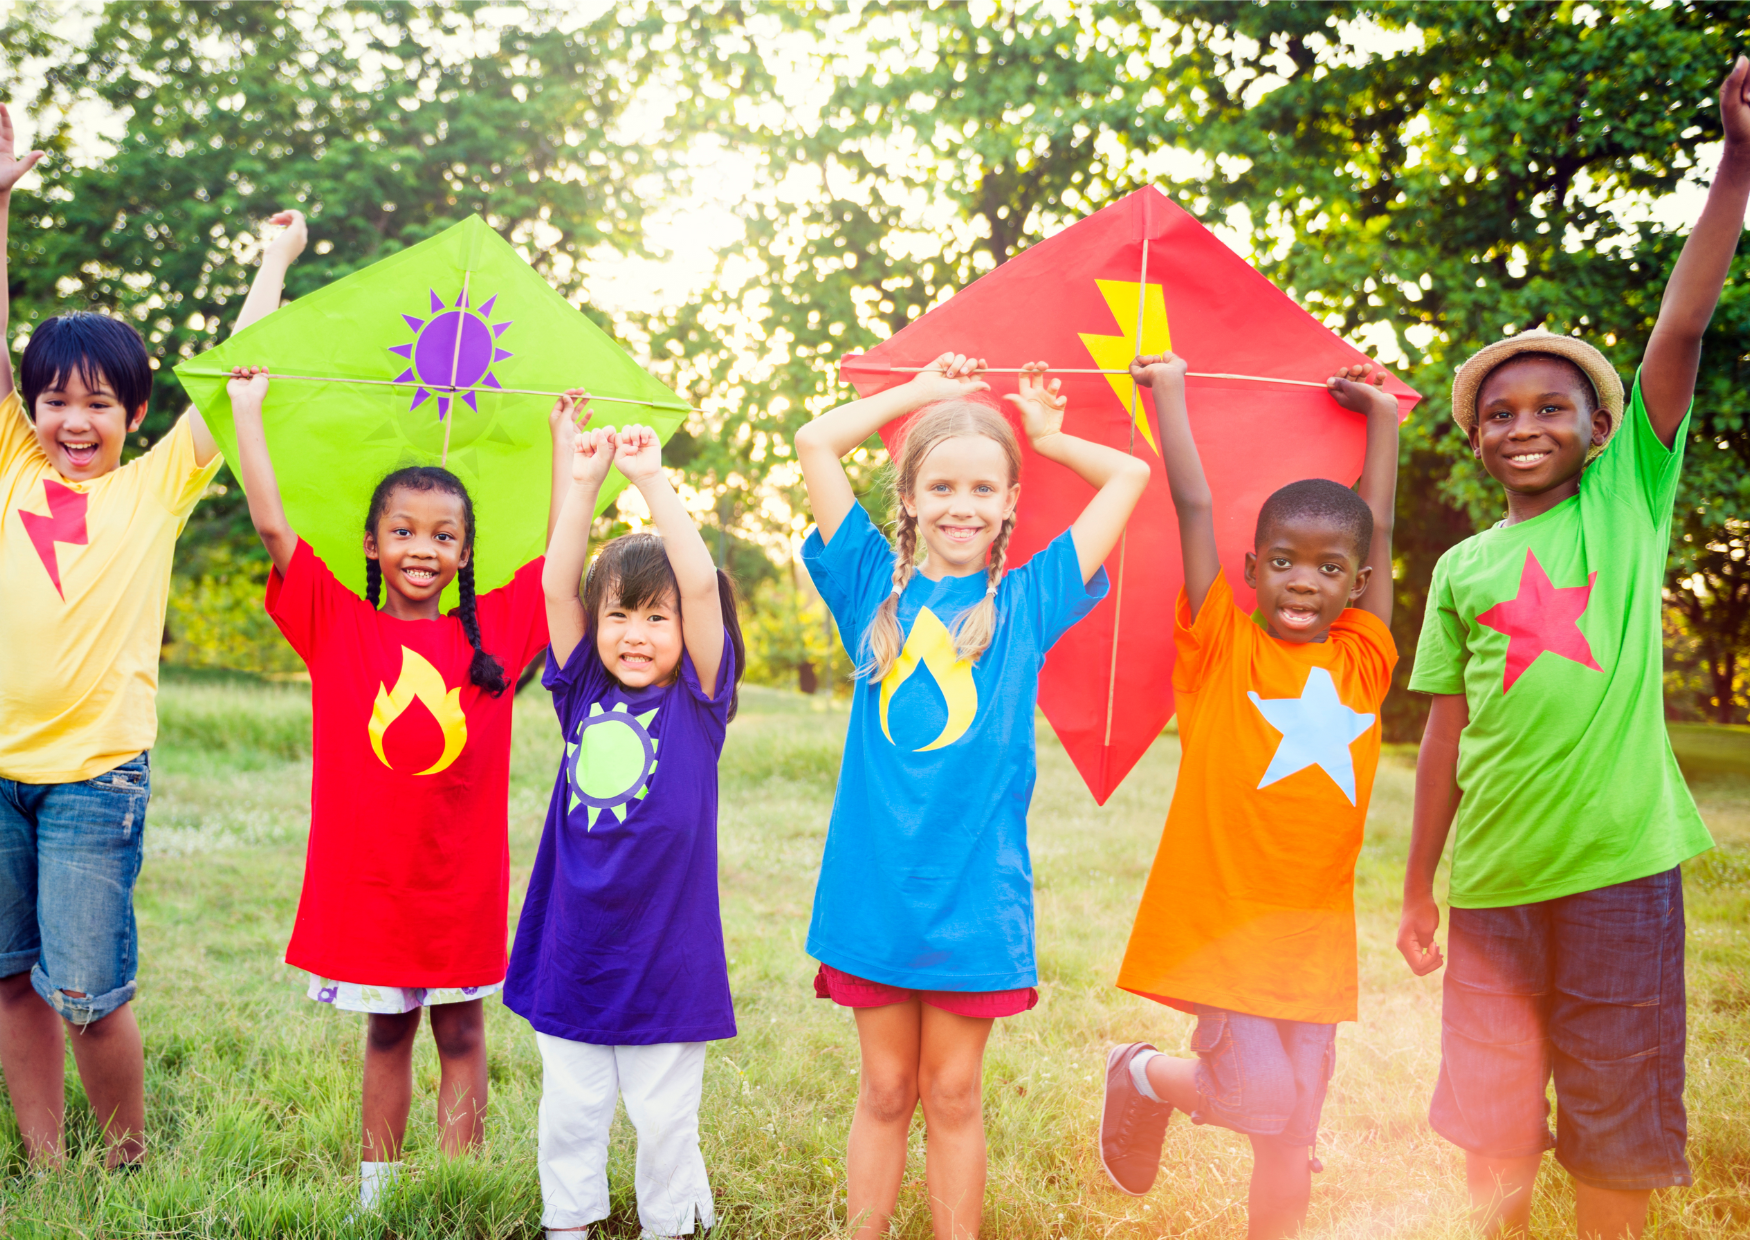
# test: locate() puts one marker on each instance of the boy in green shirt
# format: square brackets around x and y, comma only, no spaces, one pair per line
[1546,744]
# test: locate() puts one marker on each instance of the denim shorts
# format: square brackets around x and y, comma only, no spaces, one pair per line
[1586,988]
[69,855]
[1262,1077]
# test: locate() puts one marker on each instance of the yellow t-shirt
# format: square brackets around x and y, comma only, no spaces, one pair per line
[85,570]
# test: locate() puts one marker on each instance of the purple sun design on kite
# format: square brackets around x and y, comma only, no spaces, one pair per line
[453,350]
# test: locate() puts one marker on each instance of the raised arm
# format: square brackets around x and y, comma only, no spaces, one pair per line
[639,456]
[570,414]
[12,169]
[263,299]
[1164,377]
[1437,797]
[1362,388]
[1120,477]
[826,441]
[248,389]
[1674,350]
[592,452]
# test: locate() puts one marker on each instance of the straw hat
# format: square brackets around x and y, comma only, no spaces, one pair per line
[1606,383]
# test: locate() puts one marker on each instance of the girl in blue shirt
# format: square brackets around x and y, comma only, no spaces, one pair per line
[923,915]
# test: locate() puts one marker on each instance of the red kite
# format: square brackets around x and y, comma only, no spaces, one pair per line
[1258,407]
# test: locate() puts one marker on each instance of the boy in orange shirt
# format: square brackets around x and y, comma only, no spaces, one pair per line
[1248,918]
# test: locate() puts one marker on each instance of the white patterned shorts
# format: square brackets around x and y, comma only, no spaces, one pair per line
[391,1000]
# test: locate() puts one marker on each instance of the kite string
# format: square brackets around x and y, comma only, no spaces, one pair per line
[1124,536]
[449,413]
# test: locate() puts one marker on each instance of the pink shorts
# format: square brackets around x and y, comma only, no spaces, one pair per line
[856,992]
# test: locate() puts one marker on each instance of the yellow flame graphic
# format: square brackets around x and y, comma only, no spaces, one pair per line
[420,680]
[931,645]
[1115,352]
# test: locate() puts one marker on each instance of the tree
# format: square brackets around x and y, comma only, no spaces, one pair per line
[1440,174]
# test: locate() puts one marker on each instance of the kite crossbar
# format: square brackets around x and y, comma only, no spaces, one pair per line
[859,364]
[412,383]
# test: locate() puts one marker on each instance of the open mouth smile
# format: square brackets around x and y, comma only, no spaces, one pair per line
[1297,615]
[80,453]
[420,576]
[1525,460]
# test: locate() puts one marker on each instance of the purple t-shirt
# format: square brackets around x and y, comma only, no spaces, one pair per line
[620,942]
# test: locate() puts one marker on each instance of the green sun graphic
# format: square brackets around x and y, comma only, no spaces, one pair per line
[610,762]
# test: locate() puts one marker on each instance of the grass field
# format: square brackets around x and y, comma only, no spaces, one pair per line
[253,1091]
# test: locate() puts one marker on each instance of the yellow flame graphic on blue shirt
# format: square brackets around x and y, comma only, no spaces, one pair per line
[931,646]
[420,681]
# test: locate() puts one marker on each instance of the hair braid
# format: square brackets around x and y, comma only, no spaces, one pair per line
[883,640]
[373,581]
[978,624]
[485,671]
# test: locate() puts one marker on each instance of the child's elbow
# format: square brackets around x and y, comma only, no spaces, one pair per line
[1134,474]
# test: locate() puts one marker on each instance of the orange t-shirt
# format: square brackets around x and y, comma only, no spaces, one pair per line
[1250,904]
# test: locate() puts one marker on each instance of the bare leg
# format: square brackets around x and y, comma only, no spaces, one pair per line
[1610,1214]
[388,1091]
[33,1057]
[951,1086]
[1500,1192]
[459,1029]
[112,1067]
[887,1095]
[1174,1080]
[1280,1191]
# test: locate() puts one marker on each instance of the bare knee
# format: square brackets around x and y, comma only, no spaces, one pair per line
[459,1035]
[1281,1179]
[953,1100]
[390,1035]
[888,1098]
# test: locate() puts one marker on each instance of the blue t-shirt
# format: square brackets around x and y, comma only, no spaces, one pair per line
[926,882]
[620,942]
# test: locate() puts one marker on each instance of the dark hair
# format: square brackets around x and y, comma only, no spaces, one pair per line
[1587,387]
[1319,499]
[94,347]
[485,671]
[635,569]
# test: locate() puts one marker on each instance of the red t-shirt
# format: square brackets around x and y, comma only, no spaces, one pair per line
[407,875]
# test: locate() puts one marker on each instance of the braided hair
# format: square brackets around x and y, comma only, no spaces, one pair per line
[973,631]
[485,671]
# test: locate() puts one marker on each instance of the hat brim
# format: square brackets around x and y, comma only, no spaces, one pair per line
[1606,383]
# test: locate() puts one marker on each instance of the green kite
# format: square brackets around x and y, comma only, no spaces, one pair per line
[449,352]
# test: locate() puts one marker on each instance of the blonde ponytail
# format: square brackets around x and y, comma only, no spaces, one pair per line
[973,632]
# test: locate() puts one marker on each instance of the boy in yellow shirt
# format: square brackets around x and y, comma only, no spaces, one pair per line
[85,552]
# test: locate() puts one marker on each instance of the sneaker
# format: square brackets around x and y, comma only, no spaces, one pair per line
[1132,1127]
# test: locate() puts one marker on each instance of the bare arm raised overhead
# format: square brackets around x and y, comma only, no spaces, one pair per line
[1673,354]
[1362,388]
[12,169]
[1164,377]
[592,453]
[1120,477]
[826,441]
[639,456]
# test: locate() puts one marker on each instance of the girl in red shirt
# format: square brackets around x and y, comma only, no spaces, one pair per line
[407,878]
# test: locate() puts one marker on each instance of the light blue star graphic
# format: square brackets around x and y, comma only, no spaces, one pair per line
[1316,730]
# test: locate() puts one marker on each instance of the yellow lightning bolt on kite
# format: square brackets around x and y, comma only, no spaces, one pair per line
[931,646]
[1115,352]
[420,681]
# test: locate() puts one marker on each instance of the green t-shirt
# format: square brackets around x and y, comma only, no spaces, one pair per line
[1550,628]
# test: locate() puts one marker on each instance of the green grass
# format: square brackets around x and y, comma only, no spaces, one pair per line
[253,1090]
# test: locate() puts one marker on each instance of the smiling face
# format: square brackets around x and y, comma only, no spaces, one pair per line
[420,542]
[1536,421]
[1305,573]
[963,493]
[81,426]
[640,646]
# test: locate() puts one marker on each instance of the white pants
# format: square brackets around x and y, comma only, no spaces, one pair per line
[661,1085]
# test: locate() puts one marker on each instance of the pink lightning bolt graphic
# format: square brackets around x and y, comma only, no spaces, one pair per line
[64,524]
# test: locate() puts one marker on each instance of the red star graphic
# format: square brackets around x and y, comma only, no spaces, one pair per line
[1541,617]
[65,523]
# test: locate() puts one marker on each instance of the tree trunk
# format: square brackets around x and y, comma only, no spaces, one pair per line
[1724,669]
